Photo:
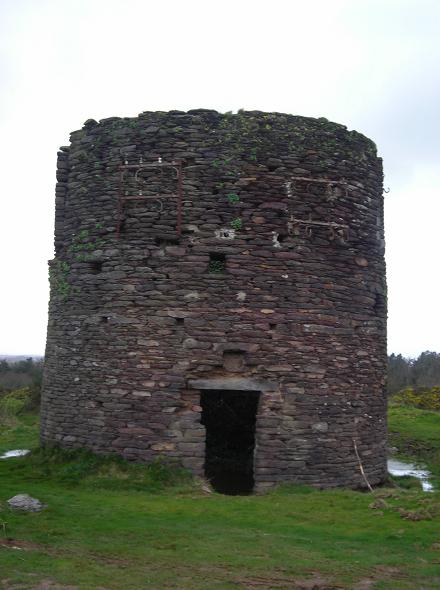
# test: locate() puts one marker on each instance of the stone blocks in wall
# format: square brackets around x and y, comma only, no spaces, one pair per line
[199,250]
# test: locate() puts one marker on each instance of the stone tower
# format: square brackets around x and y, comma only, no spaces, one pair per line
[218,297]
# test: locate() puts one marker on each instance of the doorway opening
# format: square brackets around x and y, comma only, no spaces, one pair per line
[229,417]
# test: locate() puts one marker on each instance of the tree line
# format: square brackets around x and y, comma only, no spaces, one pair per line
[424,371]
[23,373]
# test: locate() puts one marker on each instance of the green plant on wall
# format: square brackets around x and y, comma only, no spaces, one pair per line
[82,245]
[80,249]
[236,223]
[253,154]
[59,273]
[239,135]
[233,198]
[216,266]
[248,136]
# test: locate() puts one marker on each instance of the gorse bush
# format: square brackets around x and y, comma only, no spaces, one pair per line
[13,403]
[17,402]
[422,397]
[20,389]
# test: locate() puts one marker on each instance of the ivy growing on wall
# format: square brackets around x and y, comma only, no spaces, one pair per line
[59,273]
[82,245]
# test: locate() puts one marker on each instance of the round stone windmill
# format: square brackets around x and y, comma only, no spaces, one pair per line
[218,298]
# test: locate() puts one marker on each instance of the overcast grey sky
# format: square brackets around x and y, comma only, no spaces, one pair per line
[371,65]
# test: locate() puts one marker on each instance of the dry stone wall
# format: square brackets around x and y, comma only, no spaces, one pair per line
[252,259]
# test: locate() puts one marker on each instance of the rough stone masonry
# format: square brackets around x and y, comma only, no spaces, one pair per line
[201,252]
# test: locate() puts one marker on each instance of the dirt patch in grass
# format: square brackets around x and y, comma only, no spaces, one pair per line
[20,545]
[41,585]
[280,582]
[380,574]
[317,581]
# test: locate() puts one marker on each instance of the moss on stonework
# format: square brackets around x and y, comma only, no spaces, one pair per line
[59,273]
[245,135]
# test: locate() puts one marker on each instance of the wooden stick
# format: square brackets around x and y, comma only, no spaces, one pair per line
[361,467]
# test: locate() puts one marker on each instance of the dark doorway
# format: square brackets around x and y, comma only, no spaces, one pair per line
[229,418]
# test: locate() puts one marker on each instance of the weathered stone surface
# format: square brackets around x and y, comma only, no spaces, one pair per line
[26,503]
[231,383]
[270,276]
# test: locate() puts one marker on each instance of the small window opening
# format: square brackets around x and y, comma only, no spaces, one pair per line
[189,229]
[105,319]
[95,267]
[166,241]
[217,263]
[272,326]
[180,321]
[282,238]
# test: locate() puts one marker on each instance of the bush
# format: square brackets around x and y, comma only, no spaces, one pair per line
[423,397]
[14,402]
[17,375]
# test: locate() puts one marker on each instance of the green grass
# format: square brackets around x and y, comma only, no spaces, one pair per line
[109,525]
[83,468]
[416,433]
[20,434]
[19,423]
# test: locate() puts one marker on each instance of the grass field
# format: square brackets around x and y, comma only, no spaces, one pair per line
[416,433]
[111,526]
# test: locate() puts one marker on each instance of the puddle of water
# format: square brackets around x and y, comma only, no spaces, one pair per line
[400,468]
[15,453]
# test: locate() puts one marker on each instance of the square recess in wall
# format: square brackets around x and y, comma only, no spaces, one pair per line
[217,263]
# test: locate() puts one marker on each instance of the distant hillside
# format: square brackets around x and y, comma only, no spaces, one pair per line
[15,358]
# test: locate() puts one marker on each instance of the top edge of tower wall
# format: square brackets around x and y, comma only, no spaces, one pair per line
[318,129]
